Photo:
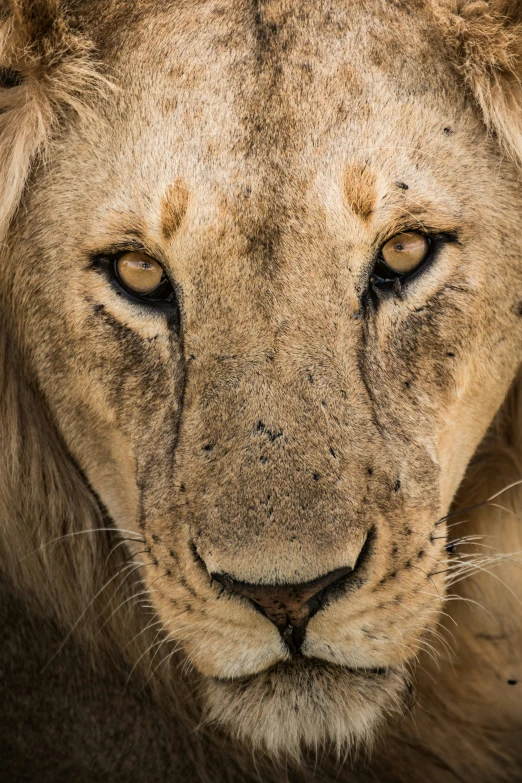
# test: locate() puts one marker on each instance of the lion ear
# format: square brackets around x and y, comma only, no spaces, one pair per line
[486,40]
[46,71]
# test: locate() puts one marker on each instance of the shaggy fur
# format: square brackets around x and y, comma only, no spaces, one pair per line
[294,422]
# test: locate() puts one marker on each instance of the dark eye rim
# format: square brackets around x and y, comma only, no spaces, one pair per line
[383,277]
[163,297]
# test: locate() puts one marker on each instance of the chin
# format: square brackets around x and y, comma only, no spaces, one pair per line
[302,705]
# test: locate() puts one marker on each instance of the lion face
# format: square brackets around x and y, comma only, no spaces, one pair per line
[284,423]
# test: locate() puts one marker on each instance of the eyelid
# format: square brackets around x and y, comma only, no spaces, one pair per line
[130,244]
[434,235]
[119,249]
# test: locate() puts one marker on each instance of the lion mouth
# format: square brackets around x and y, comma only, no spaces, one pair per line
[309,664]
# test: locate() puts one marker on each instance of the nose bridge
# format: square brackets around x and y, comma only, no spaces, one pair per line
[265,432]
[260,459]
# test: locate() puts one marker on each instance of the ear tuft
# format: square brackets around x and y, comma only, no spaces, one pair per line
[46,73]
[486,39]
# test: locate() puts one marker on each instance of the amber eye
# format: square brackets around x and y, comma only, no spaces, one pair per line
[403,253]
[139,273]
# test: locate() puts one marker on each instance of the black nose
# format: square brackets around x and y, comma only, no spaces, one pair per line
[289,607]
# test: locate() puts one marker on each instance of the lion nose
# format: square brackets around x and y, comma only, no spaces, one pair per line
[288,606]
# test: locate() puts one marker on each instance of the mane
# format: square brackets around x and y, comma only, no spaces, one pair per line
[485,44]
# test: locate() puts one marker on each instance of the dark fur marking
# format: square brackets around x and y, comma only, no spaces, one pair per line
[10,78]
[263,245]
[362,364]
[491,637]
[174,208]
[272,435]
[360,190]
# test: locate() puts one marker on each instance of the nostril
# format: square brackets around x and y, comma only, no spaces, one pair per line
[288,606]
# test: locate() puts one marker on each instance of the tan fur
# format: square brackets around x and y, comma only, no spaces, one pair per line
[294,416]
[174,208]
[360,189]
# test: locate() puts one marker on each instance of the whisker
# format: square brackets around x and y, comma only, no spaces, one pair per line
[146,652]
[146,628]
[133,568]
[478,505]
[81,533]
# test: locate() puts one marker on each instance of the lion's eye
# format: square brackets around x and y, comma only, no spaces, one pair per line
[140,279]
[403,253]
[139,273]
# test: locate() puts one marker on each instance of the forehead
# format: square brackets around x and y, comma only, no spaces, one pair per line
[294,87]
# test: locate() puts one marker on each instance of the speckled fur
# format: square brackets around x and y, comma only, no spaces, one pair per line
[263,152]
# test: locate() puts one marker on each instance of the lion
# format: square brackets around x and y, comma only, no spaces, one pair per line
[260,448]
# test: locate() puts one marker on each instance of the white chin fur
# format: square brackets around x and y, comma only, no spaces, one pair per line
[302,705]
